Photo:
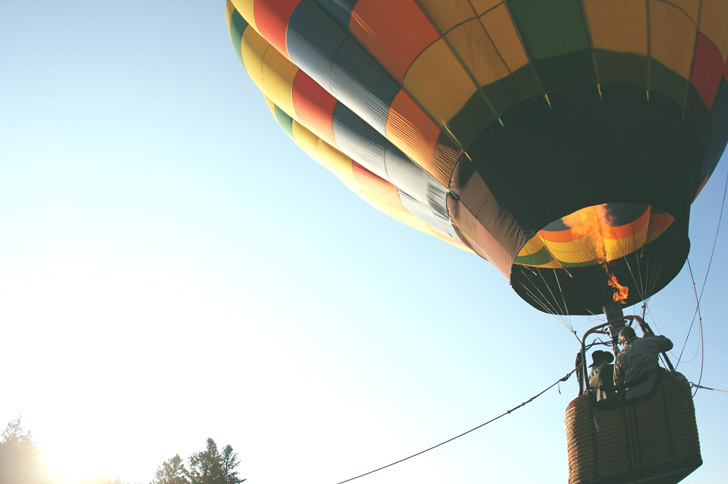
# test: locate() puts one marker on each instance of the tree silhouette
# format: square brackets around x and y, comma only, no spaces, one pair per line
[205,466]
[172,471]
[229,461]
[19,460]
[209,466]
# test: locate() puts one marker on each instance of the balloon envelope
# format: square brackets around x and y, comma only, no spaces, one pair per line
[563,141]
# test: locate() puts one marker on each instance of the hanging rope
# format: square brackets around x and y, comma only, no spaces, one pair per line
[695,385]
[638,278]
[702,356]
[468,431]
[563,299]
[705,282]
[544,302]
[697,310]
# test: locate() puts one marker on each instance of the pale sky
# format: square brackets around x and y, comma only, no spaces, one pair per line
[173,268]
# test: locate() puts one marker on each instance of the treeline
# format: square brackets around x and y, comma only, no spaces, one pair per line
[21,463]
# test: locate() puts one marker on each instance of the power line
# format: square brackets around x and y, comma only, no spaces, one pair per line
[466,432]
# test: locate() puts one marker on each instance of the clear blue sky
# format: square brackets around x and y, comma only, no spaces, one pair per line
[173,268]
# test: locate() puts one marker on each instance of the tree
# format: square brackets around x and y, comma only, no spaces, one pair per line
[205,466]
[229,462]
[20,462]
[172,471]
[13,436]
[212,467]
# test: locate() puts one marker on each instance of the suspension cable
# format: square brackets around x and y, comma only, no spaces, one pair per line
[705,280]
[553,297]
[696,385]
[702,357]
[507,412]
[697,311]
[545,303]
[563,298]
[640,289]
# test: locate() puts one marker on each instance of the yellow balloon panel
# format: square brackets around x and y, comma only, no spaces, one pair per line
[245,7]
[672,37]
[253,48]
[690,7]
[482,6]
[278,75]
[618,25]
[446,15]
[477,52]
[499,24]
[439,83]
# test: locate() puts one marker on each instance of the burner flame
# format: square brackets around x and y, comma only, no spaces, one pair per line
[620,292]
[594,224]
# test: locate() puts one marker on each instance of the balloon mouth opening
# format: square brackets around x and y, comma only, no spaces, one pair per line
[594,235]
[622,252]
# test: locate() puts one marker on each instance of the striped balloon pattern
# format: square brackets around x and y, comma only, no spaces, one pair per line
[563,141]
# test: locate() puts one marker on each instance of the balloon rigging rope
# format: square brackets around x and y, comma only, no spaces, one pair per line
[702,357]
[697,312]
[553,297]
[539,298]
[468,431]
[702,290]
[544,302]
[653,273]
[643,274]
[563,298]
[640,288]
[700,322]
[552,308]
[696,385]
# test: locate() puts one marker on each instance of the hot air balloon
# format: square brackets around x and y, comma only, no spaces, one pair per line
[550,138]
[563,141]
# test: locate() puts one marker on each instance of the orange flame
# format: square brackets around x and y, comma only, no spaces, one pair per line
[593,223]
[620,292]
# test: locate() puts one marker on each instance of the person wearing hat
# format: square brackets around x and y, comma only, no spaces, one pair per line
[601,378]
[635,370]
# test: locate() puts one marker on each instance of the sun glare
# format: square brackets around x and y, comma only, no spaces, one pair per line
[85,442]
[63,468]
[104,346]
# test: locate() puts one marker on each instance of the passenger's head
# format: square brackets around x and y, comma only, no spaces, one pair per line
[626,335]
[600,357]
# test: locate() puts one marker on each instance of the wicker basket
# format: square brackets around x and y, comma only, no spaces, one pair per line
[653,440]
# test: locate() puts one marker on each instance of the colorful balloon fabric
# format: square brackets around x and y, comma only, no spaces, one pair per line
[561,140]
